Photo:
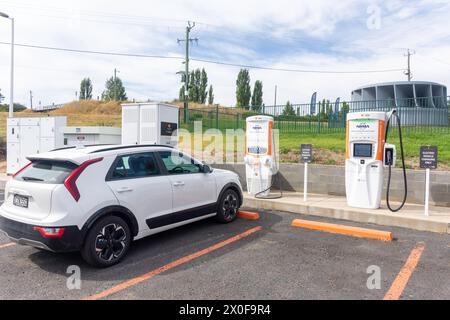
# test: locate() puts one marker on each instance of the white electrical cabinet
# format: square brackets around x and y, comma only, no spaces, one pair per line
[26,136]
[149,123]
[75,136]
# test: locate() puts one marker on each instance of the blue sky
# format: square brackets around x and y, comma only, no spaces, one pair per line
[316,35]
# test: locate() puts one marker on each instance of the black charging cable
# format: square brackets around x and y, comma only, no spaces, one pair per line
[390,162]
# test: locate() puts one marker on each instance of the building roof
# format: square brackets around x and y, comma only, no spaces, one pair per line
[383,84]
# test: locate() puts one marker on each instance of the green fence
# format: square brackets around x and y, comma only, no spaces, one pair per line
[417,115]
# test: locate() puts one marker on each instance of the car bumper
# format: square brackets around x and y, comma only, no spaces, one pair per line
[25,234]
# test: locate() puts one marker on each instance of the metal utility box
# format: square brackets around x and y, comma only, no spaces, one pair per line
[75,136]
[26,136]
[149,123]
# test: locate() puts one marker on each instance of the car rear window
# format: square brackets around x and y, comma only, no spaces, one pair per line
[46,171]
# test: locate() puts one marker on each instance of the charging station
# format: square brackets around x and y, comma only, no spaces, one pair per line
[366,157]
[260,160]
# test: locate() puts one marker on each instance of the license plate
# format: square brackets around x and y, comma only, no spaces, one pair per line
[20,201]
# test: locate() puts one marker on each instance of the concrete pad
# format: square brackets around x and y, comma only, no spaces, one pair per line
[411,216]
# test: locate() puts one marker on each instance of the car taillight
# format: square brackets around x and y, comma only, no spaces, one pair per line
[50,232]
[71,180]
[21,169]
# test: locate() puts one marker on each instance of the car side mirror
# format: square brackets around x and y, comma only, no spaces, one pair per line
[206,169]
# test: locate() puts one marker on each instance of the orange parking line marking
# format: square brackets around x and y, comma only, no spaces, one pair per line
[248,215]
[10,244]
[129,283]
[400,282]
[342,229]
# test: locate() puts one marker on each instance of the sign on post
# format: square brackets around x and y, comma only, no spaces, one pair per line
[306,153]
[428,160]
[428,157]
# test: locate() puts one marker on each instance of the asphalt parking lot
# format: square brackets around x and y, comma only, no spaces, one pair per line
[262,259]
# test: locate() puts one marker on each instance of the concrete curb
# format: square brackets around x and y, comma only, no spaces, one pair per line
[351,214]
[343,229]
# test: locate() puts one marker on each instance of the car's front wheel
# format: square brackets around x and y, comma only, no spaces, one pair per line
[228,206]
[107,242]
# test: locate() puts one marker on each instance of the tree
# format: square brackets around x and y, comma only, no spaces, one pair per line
[210,95]
[86,89]
[345,107]
[203,87]
[181,94]
[288,110]
[243,90]
[2,97]
[193,89]
[114,90]
[257,97]
[17,107]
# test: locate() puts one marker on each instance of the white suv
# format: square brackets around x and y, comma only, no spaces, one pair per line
[97,199]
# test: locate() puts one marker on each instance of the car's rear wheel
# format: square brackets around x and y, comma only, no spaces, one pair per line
[107,242]
[228,206]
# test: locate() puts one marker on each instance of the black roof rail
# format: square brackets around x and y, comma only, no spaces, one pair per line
[132,146]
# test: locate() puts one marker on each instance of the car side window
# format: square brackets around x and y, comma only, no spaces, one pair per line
[177,163]
[135,166]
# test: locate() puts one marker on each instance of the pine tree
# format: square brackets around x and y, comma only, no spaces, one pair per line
[210,95]
[181,94]
[243,90]
[193,96]
[114,91]
[257,97]
[288,110]
[86,89]
[203,87]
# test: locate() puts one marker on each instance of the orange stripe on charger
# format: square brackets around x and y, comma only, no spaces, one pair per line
[342,229]
[269,151]
[400,282]
[381,140]
[171,265]
[248,215]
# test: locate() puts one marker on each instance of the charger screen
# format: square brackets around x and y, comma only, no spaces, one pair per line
[362,150]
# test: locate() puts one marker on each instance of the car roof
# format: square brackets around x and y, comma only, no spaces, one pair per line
[80,154]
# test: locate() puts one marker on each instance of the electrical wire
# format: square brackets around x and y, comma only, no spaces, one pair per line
[199,60]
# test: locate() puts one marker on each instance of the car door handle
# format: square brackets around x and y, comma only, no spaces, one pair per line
[178,184]
[124,189]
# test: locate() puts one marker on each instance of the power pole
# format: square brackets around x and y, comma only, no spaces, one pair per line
[31,100]
[115,85]
[187,41]
[408,71]
[275,101]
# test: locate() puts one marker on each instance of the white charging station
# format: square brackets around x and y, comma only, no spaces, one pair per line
[366,155]
[260,160]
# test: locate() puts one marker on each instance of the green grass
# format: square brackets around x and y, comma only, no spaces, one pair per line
[331,141]
[412,141]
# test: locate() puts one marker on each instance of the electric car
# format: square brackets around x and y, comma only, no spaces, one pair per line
[98,199]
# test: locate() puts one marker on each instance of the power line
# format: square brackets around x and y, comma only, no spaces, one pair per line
[93,51]
[201,60]
[297,70]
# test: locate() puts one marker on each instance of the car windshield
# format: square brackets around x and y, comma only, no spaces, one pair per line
[46,171]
